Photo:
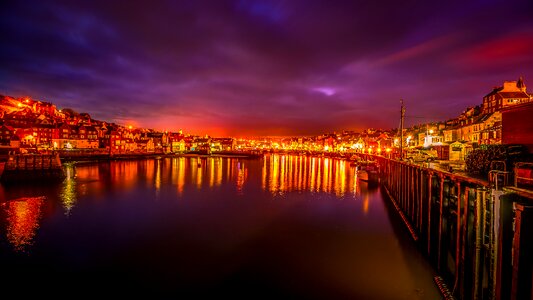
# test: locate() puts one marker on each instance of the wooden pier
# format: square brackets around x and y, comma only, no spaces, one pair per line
[32,168]
[478,234]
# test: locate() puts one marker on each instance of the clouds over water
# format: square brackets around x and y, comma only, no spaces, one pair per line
[263,67]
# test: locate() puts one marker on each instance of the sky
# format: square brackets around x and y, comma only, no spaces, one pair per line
[254,68]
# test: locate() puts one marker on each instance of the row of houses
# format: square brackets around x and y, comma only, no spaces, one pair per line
[500,118]
[39,126]
[484,124]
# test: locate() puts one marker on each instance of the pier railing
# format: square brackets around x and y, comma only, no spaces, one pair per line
[477,233]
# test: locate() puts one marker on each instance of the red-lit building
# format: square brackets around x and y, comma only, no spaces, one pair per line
[517,127]
[511,93]
[6,132]
[20,119]
[45,108]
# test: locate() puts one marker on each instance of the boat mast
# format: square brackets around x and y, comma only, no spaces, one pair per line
[402,114]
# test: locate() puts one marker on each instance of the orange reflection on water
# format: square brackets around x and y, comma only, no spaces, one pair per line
[264,175]
[178,173]
[325,175]
[274,173]
[366,203]
[287,173]
[215,172]
[218,171]
[157,182]
[22,221]
[199,173]
[150,170]
[68,192]
[340,177]
[313,174]
[242,174]
[211,169]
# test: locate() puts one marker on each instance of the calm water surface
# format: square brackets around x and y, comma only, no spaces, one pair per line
[283,227]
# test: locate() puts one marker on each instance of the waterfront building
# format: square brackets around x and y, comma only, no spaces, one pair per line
[517,127]
[511,93]
[487,129]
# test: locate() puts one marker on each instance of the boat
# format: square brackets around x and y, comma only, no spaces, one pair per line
[368,170]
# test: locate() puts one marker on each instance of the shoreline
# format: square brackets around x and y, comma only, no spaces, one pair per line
[107,157]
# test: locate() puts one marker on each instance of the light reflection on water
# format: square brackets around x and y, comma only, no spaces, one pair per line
[22,219]
[298,173]
[68,192]
[279,174]
[217,219]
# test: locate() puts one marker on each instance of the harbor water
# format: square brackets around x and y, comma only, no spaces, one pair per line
[280,227]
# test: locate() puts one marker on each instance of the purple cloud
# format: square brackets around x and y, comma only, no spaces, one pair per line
[263,67]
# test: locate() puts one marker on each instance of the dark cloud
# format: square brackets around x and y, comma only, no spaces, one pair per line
[263,67]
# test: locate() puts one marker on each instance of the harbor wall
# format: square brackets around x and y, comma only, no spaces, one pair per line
[474,232]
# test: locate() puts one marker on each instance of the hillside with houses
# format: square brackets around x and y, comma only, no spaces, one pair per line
[30,126]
